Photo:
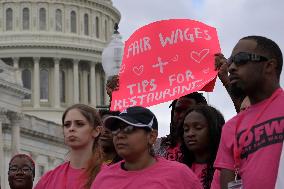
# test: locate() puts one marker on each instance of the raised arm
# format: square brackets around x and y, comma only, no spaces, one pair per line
[222,67]
[112,85]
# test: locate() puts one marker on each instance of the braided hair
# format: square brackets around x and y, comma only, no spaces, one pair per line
[215,121]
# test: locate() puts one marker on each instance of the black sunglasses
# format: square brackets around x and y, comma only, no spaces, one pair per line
[243,57]
[128,129]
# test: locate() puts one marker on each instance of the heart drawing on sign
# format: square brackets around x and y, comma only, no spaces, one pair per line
[199,56]
[206,70]
[122,68]
[138,71]
[174,59]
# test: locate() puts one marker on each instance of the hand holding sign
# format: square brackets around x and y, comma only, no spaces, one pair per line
[165,60]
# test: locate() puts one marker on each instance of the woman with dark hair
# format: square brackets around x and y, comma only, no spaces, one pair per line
[81,129]
[134,132]
[21,172]
[201,133]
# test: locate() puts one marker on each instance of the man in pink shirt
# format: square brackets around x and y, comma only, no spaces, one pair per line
[252,141]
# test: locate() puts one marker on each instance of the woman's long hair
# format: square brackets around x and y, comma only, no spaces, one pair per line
[173,138]
[215,122]
[95,162]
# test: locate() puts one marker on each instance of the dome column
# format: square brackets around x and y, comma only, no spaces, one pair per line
[93,84]
[36,82]
[76,81]
[56,83]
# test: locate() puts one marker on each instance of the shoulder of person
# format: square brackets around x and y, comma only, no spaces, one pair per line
[181,172]
[231,123]
[58,169]
[111,167]
[172,164]
[50,175]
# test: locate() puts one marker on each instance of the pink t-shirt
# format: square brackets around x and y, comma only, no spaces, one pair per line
[262,148]
[63,176]
[164,174]
[197,168]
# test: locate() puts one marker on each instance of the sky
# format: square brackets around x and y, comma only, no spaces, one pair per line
[233,20]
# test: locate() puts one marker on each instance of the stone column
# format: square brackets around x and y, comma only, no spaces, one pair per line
[93,84]
[18,74]
[2,160]
[15,119]
[56,83]
[85,87]
[36,79]
[76,81]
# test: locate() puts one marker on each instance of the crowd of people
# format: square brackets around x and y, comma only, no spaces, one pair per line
[120,150]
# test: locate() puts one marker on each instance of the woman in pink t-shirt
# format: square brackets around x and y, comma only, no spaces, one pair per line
[134,132]
[201,131]
[81,128]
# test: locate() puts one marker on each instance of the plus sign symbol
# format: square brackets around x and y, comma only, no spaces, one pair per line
[160,65]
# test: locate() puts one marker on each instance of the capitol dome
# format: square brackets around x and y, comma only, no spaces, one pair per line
[56,47]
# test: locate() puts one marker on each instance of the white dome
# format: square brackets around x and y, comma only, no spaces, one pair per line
[56,47]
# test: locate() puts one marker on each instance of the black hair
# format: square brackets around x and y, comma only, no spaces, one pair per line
[172,139]
[267,45]
[215,121]
[103,112]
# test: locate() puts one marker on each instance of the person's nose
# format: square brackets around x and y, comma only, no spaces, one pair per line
[72,127]
[20,172]
[232,68]
[189,133]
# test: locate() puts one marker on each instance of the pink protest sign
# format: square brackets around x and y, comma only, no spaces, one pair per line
[165,60]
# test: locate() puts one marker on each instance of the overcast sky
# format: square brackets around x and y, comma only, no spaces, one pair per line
[233,19]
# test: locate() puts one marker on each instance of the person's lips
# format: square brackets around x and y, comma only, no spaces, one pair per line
[120,145]
[191,142]
[72,138]
[19,179]
[233,79]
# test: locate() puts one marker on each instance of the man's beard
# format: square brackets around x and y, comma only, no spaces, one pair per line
[237,91]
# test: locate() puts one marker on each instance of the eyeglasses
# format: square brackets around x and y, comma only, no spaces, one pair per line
[243,57]
[128,129]
[25,170]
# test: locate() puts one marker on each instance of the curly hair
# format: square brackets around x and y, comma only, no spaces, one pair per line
[215,121]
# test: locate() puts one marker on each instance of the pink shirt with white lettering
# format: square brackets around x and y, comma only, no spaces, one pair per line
[164,174]
[260,154]
[63,176]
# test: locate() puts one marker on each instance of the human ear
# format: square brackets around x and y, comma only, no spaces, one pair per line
[97,131]
[153,137]
[271,65]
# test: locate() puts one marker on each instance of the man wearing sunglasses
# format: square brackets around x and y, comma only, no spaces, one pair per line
[251,142]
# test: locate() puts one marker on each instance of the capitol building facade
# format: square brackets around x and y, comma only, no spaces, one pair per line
[50,58]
